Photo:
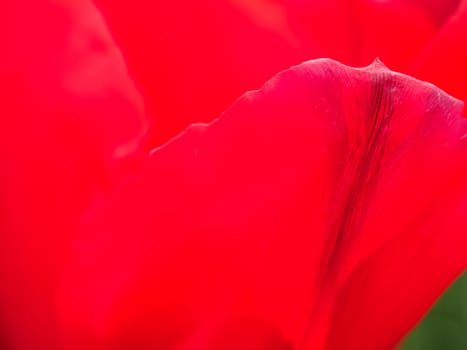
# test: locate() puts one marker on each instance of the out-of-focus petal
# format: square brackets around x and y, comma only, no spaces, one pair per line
[71,122]
[192,59]
[357,31]
[395,31]
[438,10]
[443,61]
[271,218]
[323,28]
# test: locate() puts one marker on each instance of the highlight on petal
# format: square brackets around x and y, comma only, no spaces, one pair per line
[297,218]
[443,61]
[192,59]
[71,123]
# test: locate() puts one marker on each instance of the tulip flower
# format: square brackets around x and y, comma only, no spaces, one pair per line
[72,123]
[290,222]
[192,60]
[236,235]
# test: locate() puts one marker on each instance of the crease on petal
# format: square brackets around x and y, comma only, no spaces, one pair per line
[274,208]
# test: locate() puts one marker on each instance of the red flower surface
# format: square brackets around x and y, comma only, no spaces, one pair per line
[71,122]
[238,236]
[191,59]
[290,221]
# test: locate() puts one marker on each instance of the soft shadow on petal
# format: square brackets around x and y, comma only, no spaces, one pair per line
[71,123]
[301,191]
[438,10]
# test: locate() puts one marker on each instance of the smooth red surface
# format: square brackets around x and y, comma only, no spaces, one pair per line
[357,31]
[443,61]
[438,10]
[192,59]
[70,125]
[237,235]
[295,218]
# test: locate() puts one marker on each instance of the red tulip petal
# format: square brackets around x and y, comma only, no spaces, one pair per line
[325,28]
[443,62]
[193,58]
[379,292]
[396,31]
[272,211]
[438,10]
[357,31]
[70,122]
